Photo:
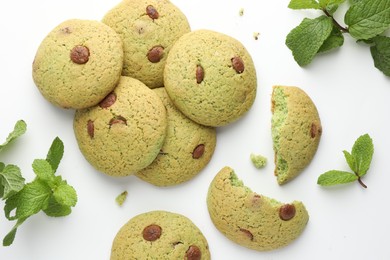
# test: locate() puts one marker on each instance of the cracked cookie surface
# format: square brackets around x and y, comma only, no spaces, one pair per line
[78,63]
[187,149]
[160,235]
[125,131]
[210,77]
[250,219]
[148,29]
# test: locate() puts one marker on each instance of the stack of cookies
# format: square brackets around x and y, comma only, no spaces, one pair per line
[148,95]
[148,92]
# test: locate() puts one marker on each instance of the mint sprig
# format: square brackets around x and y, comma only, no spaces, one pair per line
[365,21]
[47,192]
[11,180]
[359,160]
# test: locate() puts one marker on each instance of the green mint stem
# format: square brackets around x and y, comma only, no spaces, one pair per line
[342,29]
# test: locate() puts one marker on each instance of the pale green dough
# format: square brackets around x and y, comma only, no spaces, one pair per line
[296,131]
[178,237]
[250,219]
[71,85]
[225,92]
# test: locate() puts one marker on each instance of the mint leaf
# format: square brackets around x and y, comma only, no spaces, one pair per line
[19,129]
[29,201]
[43,170]
[306,39]
[350,160]
[362,152]
[335,40]
[368,18]
[303,4]
[9,238]
[55,153]
[334,177]
[11,181]
[65,195]
[380,52]
[56,209]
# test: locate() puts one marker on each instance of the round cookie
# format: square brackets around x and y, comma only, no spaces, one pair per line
[296,131]
[187,149]
[148,29]
[125,132]
[252,220]
[160,235]
[210,77]
[78,63]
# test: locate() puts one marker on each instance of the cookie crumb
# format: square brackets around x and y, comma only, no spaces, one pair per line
[258,161]
[241,12]
[256,35]
[120,199]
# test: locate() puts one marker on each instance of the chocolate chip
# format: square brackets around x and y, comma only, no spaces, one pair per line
[151,232]
[238,64]
[315,130]
[152,12]
[91,128]
[198,151]
[108,101]
[66,30]
[79,54]
[287,211]
[199,74]
[193,253]
[155,54]
[118,120]
[247,233]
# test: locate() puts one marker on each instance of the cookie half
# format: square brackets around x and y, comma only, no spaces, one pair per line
[125,132]
[250,219]
[296,131]
[148,29]
[160,235]
[210,77]
[78,63]
[187,149]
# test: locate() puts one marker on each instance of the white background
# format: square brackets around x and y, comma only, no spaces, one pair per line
[346,222]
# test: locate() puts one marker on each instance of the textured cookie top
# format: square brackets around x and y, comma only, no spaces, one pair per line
[187,149]
[148,29]
[78,63]
[296,131]
[125,132]
[160,235]
[210,77]
[252,220]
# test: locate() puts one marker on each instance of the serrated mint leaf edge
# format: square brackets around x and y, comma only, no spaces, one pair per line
[11,180]
[55,154]
[334,177]
[307,31]
[303,4]
[364,26]
[19,129]
[380,53]
[363,151]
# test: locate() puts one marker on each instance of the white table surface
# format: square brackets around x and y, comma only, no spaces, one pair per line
[352,96]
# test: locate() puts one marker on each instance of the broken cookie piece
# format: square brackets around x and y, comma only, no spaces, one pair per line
[250,219]
[296,131]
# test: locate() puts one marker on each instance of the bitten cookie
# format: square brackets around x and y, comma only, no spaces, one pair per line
[78,63]
[210,77]
[187,149]
[148,29]
[250,219]
[160,235]
[125,132]
[296,131]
